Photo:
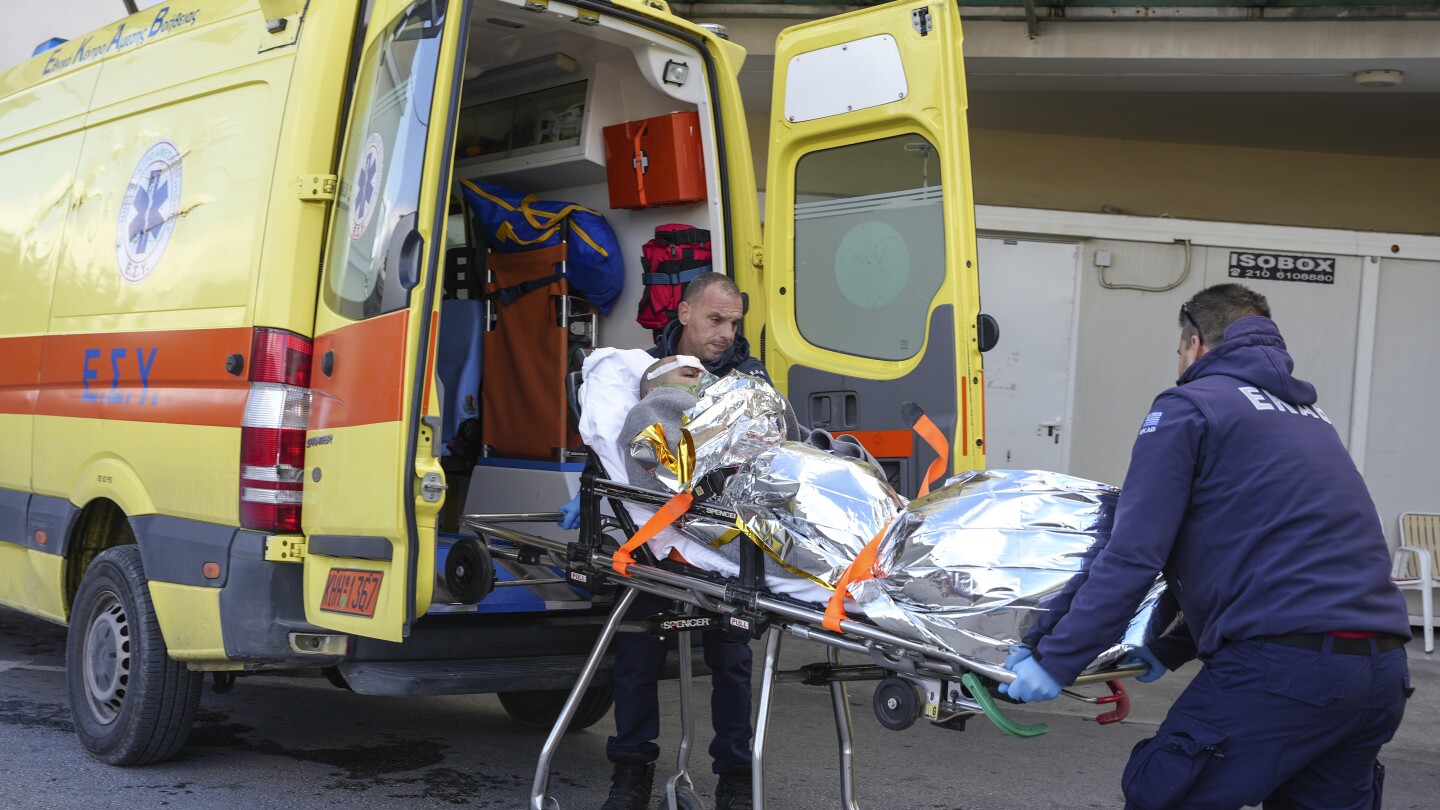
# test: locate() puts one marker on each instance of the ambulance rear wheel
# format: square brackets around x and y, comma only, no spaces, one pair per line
[540,709]
[897,706]
[131,704]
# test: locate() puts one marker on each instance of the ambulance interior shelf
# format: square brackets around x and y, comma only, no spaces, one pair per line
[551,123]
[532,124]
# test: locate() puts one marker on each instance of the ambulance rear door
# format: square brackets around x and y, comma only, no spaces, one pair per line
[373,484]
[870,268]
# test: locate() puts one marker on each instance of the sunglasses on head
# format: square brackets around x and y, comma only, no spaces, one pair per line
[1185,313]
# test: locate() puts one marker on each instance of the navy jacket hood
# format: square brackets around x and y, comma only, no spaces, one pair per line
[1254,351]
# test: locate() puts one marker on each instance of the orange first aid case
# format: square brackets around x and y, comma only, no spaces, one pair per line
[655,161]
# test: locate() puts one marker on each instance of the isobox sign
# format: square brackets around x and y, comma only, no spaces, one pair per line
[1279,267]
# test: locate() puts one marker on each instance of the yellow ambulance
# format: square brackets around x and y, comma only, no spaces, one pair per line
[232,233]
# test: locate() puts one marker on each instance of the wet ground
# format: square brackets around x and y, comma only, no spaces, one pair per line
[295,741]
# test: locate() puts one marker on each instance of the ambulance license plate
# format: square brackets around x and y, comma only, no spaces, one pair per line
[352,592]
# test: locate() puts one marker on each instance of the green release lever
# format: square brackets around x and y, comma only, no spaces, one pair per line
[992,711]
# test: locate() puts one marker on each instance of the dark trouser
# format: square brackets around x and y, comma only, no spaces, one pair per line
[1289,727]
[639,660]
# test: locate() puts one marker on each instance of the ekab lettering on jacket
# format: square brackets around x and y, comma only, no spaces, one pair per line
[1262,400]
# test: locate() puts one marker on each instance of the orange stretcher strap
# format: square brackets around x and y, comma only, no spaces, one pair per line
[861,569]
[668,514]
[927,430]
[638,160]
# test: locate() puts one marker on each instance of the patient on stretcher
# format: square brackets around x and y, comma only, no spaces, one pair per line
[974,567]
[732,422]
[671,388]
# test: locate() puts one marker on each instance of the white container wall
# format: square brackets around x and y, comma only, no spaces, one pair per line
[1369,340]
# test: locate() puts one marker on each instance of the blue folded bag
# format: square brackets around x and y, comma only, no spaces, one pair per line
[514,223]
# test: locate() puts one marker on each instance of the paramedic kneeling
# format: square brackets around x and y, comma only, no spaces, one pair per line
[1241,492]
[707,328]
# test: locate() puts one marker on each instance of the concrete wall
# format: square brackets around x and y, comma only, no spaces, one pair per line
[1227,184]
[1185,181]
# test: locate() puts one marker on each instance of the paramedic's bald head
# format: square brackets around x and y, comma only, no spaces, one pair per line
[710,313]
[695,290]
[677,370]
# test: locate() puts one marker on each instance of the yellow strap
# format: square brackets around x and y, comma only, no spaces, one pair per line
[506,231]
[591,242]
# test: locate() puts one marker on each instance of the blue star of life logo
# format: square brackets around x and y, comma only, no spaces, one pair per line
[147,204]
[148,211]
[367,183]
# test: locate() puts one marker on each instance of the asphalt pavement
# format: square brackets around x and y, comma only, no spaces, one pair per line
[295,742]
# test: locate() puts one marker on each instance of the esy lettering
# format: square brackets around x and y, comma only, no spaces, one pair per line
[122,362]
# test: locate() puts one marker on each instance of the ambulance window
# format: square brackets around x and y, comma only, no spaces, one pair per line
[384,161]
[869,246]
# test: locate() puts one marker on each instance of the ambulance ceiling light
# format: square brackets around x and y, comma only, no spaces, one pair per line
[676,73]
[1379,78]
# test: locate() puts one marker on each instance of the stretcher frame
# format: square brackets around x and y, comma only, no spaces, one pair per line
[953,682]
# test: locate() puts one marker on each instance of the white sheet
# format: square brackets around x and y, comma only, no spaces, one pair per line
[610,389]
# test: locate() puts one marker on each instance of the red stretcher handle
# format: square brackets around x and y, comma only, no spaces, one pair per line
[1120,698]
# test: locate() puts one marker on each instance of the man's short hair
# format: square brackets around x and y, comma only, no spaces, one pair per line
[1211,311]
[705,281]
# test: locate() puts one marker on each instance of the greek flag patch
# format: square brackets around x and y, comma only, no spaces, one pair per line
[1151,422]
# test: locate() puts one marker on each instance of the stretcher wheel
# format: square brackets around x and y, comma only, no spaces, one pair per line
[469,571]
[897,705]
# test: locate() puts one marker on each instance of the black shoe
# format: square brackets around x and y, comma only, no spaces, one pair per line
[732,792]
[631,784]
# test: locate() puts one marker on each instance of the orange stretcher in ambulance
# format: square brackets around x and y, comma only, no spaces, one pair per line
[254,357]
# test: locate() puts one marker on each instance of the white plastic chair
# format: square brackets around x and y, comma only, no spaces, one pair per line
[1414,567]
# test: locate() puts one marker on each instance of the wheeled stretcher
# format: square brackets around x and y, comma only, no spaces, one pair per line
[918,679]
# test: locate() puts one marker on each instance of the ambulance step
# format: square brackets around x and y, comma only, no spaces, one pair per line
[426,678]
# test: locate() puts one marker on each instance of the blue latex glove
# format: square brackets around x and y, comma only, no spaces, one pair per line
[1018,653]
[570,513]
[1032,683]
[1154,669]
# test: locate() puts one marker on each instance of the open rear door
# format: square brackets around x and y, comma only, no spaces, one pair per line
[373,486]
[870,235]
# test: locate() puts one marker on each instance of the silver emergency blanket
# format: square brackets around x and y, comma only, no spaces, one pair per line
[811,510]
[737,418]
[993,559]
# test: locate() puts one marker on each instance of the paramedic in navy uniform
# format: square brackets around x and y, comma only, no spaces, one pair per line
[707,327]
[1241,492]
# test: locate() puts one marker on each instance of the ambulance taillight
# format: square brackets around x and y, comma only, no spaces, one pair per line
[272,435]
